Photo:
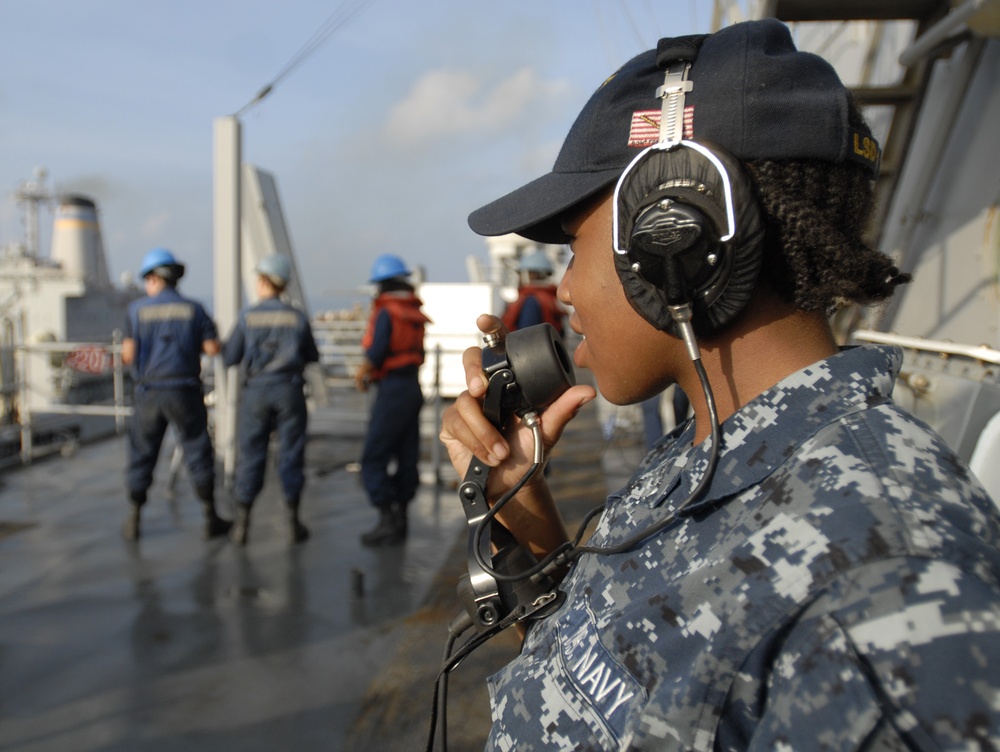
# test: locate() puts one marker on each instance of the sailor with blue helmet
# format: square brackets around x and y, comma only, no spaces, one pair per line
[393,345]
[165,337]
[272,343]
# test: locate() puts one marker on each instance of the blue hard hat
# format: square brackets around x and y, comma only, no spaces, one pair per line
[388,266]
[159,257]
[536,262]
[277,267]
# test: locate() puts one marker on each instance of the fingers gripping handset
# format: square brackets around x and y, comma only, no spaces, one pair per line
[525,374]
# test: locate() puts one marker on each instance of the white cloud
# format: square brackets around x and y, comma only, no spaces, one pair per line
[447,102]
[154,224]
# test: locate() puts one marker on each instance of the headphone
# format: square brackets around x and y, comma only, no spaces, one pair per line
[687,228]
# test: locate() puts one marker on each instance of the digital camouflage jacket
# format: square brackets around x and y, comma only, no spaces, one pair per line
[837,587]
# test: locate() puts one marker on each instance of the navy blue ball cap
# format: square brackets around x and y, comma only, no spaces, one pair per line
[753,94]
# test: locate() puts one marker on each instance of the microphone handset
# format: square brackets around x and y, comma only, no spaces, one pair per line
[526,373]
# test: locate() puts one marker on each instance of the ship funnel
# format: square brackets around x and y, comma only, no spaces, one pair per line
[76,241]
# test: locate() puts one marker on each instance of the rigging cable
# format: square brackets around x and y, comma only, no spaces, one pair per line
[337,20]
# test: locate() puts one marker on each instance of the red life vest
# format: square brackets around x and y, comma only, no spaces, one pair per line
[406,343]
[552,311]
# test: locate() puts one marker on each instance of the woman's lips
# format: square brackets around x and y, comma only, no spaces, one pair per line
[578,359]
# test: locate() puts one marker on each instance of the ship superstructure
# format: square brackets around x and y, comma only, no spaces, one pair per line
[58,312]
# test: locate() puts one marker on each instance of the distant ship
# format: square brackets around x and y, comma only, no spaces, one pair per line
[58,318]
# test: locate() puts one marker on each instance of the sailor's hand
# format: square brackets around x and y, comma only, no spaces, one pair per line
[361,379]
[465,430]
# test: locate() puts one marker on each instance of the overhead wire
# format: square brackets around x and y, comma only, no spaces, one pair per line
[345,12]
[632,24]
[605,40]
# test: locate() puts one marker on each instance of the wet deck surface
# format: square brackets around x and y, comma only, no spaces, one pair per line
[175,643]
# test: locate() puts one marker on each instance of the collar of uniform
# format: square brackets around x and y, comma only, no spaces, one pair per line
[268,303]
[759,437]
[167,293]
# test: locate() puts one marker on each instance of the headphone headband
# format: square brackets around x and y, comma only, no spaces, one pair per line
[675,85]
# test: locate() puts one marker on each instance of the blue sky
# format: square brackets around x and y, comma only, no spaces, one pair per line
[383,140]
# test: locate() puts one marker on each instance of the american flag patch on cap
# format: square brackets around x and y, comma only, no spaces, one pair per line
[645,128]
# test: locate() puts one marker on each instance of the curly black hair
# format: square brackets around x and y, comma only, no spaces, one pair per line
[816,213]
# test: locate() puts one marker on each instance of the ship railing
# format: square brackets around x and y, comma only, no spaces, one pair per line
[85,357]
[340,351]
[339,362]
[981,353]
[338,372]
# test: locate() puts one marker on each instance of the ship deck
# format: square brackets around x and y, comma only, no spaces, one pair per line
[176,643]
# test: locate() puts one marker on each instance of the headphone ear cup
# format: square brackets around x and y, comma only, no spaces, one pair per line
[669,240]
[672,215]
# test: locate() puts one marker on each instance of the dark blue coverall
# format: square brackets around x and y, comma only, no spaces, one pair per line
[169,331]
[273,342]
[394,427]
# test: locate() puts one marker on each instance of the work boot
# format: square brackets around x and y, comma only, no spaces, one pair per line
[130,529]
[241,527]
[387,532]
[214,524]
[297,532]
[399,515]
